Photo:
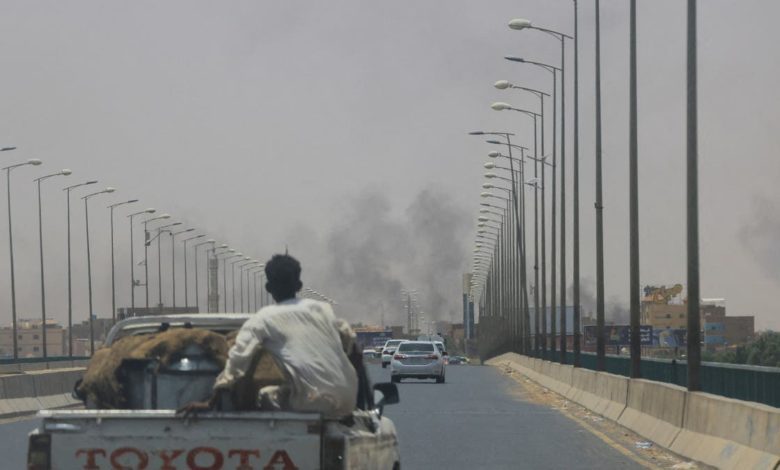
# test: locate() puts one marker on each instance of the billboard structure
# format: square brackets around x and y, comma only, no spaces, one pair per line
[619,335]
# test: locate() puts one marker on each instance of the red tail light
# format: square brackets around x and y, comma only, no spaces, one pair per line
[399,356]
[432,356]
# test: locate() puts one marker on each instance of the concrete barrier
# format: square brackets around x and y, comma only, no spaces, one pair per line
[719,431]
[654,410]
[27,393]
[728,433]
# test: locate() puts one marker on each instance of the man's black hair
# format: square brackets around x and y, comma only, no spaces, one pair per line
[283,273]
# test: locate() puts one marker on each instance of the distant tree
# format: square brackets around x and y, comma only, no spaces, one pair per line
[764,350]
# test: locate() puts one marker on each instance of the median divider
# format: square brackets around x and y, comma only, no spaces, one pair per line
[654,410]
[27,393]
[728,433]
[719,431]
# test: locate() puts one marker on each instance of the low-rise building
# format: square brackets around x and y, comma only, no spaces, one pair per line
[29,339]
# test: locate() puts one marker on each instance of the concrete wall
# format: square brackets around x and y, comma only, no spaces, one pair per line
[721,432]
[28,392]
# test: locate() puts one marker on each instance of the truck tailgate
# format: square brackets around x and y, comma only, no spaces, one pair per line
[157,439]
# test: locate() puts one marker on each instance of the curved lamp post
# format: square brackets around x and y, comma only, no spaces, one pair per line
[38,180]
[133,282]
[211,242]
[86,199]
[147,241]
[33,162]
[67,190]
[186,279]
[113,270]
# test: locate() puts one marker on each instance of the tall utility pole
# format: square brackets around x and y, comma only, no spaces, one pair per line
[576,202]
[636,350]
[213,284]
[694,340]
[409,312]
[600,346]
[563,202]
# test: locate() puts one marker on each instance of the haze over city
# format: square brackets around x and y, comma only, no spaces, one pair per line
[338,130]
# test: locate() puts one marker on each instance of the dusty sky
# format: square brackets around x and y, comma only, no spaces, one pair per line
[339,129]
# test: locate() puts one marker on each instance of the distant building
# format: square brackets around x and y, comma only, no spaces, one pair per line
[29,339]
[665,309]
[101,327]
[663,316]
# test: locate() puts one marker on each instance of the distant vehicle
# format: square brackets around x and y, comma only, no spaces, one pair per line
[419,360]
[148,433]
[457,360]
[442,350]
[370,354]
[389,350]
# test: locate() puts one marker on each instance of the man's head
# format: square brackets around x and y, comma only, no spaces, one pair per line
[283,273]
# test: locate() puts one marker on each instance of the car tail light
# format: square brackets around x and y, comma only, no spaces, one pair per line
[399,356]
[39,452]
[431,356]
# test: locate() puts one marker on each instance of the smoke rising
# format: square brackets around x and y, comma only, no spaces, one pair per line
[759,235]
[614,310]
[371,253]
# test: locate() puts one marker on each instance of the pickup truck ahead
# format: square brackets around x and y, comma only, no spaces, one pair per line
[152,436]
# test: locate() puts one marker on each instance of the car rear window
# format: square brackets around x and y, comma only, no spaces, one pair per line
[415,347]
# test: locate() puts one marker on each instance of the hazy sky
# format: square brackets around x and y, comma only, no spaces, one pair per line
[339,129]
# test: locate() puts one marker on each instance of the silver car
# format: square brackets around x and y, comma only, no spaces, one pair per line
[417,359]
[388,350]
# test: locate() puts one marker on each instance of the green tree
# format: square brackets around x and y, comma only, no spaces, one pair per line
[764,350]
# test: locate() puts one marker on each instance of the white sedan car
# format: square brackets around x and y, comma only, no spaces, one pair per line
[388,350]
[418,360]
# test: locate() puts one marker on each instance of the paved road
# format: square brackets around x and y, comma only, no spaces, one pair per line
[476,420]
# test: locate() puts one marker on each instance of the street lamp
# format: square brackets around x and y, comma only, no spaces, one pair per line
[224,275]
[241,258]
[186,281]
[70,291]
[38,180]
[241,268]
[211,242]
[113,274]
[86,199]
[160,231]
[520,24]
[133,282]
[173,264]
[147,241]
[34,162]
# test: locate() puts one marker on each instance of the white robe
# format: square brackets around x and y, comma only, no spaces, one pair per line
[303,335]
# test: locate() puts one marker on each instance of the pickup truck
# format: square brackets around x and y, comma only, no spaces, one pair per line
[152,435]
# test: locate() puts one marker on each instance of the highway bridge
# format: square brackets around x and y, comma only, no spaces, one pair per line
[512,412]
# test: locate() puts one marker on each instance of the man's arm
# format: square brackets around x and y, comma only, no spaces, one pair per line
[239,357]
[346,334]
[238,362]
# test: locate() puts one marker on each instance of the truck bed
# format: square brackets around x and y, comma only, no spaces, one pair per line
[98,439]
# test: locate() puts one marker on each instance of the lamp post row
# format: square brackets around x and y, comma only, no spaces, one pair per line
[485,285]
[246,269]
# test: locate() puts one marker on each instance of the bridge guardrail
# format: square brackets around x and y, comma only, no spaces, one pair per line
[722,432]
[742,382]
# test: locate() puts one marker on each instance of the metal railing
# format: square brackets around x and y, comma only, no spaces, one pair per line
[742,382]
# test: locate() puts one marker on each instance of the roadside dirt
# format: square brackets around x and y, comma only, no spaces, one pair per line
[644,452]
